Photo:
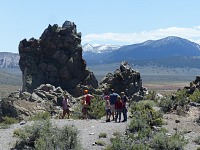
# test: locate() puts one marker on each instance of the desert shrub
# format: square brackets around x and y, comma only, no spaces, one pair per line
[161,141]
[181,98]
[148,102]
[7,121]
[143,118]
[97,108]
[41,116]
[100,143]
[195,97]
[197,140]
[102,135]
[151,95]
[117,134]
[166,104]
[42,136]
[122,143]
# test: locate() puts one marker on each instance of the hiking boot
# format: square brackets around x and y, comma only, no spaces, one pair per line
[108,120]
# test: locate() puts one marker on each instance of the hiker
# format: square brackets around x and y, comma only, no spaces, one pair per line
[124,110]
[65,106]
[118,108]
[107,106]
[86,102]
[113,99]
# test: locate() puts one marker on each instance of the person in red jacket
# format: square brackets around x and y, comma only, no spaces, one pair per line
[118,108]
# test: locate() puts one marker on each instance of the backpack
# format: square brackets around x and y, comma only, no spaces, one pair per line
[87,99]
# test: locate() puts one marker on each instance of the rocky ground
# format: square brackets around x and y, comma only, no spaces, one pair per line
[89,132]
[90,129]
[185,124]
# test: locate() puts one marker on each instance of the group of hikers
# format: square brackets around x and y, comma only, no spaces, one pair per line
[115,105]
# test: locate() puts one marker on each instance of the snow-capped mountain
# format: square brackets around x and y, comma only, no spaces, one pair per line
[171,51]
[100,48]
[9,60]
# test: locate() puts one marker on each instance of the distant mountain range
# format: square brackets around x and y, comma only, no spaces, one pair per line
[100,48]
[170,51]
[9,60]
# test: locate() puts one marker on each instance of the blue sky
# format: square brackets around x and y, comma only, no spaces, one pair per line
[100,21]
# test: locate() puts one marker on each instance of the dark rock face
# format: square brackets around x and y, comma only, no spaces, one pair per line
[124,79]
[56,58]
[194,85]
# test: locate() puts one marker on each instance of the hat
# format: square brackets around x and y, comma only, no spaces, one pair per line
[85,91]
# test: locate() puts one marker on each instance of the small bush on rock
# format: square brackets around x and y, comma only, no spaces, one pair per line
[195,97]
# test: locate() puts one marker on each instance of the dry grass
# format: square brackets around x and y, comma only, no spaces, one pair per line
[5,90]
[165,88]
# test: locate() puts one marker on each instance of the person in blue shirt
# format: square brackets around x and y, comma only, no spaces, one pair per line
[113,99]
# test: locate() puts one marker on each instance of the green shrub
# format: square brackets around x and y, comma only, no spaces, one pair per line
[198,148]
[195,97]
[151,95]
[9,120]
[161,141]
[148,102]
[181,97]
[97,108]
[100,143]
[102,135]
[166,104]
[117,134]
[43,136]
[40,116]
[143,118]
[122,143]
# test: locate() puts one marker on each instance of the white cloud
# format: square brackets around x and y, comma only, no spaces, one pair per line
[192,34]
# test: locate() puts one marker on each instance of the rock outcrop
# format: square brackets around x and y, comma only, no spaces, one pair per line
[124,79]
[55,58]
[46,98]
[194,85]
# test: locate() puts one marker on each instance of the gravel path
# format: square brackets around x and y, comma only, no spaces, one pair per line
[89,132]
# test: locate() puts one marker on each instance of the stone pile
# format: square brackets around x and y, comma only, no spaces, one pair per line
[124,79]
[55,58]
[23,105]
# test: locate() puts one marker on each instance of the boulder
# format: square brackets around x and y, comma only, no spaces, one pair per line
[29,104]
[124,79]
[55,58]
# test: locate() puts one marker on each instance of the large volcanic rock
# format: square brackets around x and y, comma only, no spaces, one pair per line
[23,105]
[124,79]
[55,58]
